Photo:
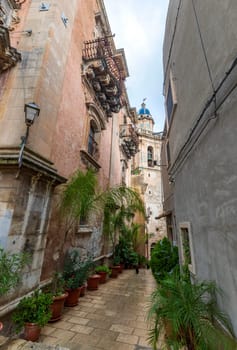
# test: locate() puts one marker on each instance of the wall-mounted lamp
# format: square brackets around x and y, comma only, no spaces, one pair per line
[32,111]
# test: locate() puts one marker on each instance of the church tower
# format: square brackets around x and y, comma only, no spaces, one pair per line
[147,176]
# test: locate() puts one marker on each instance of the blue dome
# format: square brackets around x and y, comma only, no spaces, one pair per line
[144,110]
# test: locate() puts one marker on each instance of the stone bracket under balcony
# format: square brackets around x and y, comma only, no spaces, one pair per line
[8,55]
[105,86]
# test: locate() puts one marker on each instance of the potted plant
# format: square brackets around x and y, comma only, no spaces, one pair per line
[32,313]
[57,289]
[76,272]
[103,271]
[188,315]
[93,282]
[115,268]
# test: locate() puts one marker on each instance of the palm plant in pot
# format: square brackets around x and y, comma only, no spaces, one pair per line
[188,315]
[32,313]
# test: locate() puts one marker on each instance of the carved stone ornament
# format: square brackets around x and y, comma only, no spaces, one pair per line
[8,55]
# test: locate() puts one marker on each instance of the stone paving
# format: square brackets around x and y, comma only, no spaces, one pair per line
[113,317]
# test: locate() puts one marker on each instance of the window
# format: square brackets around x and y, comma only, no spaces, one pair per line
[149,156]
[171,100]
[93,149]
[186,246]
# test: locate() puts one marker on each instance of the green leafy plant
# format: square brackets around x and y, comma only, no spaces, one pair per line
[142,260]
[81,196]
[188,315]
[116,260]
[164,258]
[132,234]
[76,270]
[125,253]
[121,204]
[11,266]
[57,285]
[33,309]
[78,196]
[102,268]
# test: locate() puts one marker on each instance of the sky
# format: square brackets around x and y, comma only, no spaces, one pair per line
[139,26]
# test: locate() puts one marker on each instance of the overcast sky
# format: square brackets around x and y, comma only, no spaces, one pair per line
[138,26]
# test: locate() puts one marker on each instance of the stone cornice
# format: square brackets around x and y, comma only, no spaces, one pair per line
[31,160]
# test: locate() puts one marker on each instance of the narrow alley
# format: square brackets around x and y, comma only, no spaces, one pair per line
[113,317]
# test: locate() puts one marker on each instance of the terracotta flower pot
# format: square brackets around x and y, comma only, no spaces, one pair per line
[93,282]
[103,276]
[32,331]
[73,296]
[83,290]
[121,267]
[57,307]
[114,271]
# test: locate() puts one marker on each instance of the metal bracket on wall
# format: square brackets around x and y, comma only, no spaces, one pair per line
[64,19]
[44,7]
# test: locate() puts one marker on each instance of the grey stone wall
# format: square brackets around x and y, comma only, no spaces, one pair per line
[199,50]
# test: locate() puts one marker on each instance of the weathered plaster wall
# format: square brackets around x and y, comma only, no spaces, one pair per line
[205,196]
[23,218]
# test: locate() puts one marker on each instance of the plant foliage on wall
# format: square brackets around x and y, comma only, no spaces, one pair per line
[10,267]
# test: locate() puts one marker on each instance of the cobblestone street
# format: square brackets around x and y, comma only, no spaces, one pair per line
[113,317]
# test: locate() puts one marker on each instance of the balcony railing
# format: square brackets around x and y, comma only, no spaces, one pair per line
[101,49]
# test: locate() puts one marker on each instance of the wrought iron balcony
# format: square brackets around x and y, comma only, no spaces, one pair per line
[129,140]
[106,72]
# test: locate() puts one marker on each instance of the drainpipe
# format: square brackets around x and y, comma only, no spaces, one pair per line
[111,151]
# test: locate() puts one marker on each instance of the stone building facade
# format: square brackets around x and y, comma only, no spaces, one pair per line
[146,175]
[59,55]
[200,68]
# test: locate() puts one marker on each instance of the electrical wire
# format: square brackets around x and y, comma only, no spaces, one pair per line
[203,47]
[184,156]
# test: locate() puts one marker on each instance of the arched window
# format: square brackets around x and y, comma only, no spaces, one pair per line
[150,156]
